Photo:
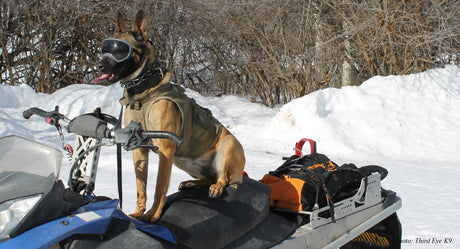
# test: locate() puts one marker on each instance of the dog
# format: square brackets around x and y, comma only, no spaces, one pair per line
[210,153]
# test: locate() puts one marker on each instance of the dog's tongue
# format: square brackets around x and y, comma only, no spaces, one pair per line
[103,77]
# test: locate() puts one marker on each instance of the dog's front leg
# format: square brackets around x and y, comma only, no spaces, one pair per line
[166,154]
[164,115]
[141,163]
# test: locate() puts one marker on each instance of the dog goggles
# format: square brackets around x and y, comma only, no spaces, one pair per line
[116,49]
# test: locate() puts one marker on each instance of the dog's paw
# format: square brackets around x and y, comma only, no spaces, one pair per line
[193,184]
[215,190]
[147,217]
[187,185]
[138,213]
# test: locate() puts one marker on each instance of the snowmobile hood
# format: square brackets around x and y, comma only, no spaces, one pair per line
[26,167]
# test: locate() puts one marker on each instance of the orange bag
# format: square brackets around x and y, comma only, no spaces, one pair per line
[299,184]
[286,192]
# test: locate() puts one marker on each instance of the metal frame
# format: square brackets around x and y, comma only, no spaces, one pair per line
[88,164]
[354,216]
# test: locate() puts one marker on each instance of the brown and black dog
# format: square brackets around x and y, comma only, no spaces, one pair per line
[211,154]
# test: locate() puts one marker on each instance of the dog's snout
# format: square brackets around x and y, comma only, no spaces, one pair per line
[106,64]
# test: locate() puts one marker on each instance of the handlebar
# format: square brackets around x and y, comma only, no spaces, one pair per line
[52,117]
[133,136]
[90,125]
[163,134]
[34,110]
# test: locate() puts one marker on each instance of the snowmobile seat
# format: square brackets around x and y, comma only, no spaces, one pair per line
[198,221]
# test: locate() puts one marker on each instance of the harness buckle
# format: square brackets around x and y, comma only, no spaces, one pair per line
[136,105]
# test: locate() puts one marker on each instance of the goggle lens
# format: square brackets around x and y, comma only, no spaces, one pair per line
[119,50]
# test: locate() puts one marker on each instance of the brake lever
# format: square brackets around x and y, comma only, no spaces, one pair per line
[54,117]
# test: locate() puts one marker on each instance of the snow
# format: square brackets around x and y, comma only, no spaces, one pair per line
[409,124]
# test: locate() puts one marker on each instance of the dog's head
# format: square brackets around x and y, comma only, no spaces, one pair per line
[128,53]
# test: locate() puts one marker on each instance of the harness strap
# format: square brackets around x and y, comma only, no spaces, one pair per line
[119,165]
[318,179]
[299,146]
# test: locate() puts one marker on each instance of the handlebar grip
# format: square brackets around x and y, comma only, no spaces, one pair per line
[34,110]
[163,134]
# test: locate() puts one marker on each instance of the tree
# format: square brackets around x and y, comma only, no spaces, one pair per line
[270,51]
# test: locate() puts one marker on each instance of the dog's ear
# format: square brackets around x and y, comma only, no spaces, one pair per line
[139,25]
[120,26]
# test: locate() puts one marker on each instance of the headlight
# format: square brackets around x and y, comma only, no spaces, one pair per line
[13,211]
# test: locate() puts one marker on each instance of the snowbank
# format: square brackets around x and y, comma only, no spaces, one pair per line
[410,118]
[409,124]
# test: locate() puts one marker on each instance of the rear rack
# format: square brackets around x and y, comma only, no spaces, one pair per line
[368,195]
[355,215]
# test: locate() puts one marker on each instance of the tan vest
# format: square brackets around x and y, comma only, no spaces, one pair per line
[199,129]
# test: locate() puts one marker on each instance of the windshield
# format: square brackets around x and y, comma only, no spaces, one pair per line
[26,167]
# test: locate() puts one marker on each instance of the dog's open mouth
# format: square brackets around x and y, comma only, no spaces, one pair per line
[110,77]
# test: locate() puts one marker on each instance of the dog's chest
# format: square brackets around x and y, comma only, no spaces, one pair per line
[202,167]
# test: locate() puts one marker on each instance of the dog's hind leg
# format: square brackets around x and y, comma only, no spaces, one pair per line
[229,162]
[141,162]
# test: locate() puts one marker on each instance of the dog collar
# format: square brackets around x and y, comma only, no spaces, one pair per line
[147,80]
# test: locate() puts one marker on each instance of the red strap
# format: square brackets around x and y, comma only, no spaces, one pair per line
[299,146]
[68,148]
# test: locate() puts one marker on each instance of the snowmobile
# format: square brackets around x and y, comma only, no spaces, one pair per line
[38,211]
